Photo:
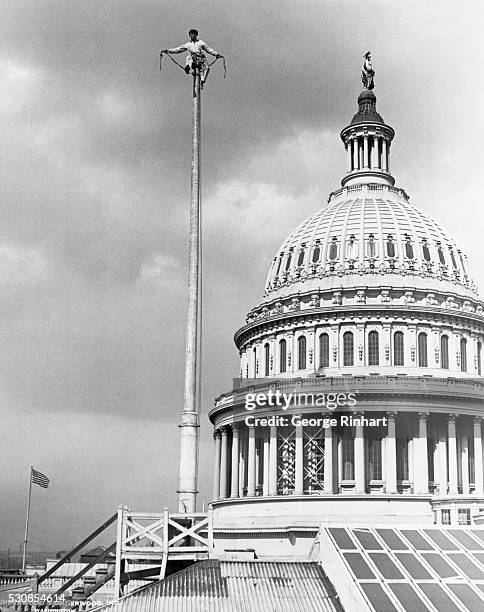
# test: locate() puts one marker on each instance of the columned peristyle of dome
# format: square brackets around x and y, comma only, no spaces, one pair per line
[360,395]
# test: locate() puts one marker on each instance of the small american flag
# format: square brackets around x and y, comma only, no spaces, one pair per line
[40,479]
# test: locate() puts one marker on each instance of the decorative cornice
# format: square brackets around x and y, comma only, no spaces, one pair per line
[328,314]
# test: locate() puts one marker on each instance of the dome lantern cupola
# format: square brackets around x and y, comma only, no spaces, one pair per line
[367,141]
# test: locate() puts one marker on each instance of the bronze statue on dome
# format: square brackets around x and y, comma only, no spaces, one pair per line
[367,72]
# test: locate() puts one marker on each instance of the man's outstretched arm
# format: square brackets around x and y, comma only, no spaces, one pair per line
[206,48]
[175,49]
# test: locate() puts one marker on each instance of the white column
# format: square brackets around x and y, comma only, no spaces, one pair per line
[251,463]
[223,462]
[452,450]
[243,462]
[356,154]
[421,468]
[234,484]
[376,150]
[359,457]
[273,461]
[384,155]
[479,481]
[328,460]
[258,465]
[350,155]
[340,461]
[365,152]
[391,454]
[465,461]
[216,465]
[265,484]
[298,476]
[442,461]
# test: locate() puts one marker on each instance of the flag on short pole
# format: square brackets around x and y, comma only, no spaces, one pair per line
[40,479]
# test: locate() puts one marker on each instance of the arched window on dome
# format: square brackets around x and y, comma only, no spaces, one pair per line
[440,253]
[267,359]
[422,351]
[288,261]
[282,356]
[300,259]
[324,351]
[398,349]
[316,254]
[463,355]
[301,352]
[444,352]
[373,348]
[254,355]
[281,256]
[333,250]
[426,251]
[479,358]
[408,247]
[390,246]
[348,349]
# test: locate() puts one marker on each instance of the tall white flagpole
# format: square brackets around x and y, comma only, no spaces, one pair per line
[188,485]
[27,522]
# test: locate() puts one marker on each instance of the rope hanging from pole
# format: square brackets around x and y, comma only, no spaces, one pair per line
[173,60]
[216,59]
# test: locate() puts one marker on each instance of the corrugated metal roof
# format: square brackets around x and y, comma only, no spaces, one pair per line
[237,586]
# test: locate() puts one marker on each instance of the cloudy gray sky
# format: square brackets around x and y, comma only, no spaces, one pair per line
[94,195]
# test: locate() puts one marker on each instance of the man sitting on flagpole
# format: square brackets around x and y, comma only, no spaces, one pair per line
[196,60]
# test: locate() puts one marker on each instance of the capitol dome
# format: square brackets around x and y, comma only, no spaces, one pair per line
[367,300]
[364,232]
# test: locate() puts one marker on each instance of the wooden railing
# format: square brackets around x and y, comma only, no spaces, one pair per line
[147,541]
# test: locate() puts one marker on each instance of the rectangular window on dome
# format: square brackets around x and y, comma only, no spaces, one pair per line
[402,459]
[422,351]
[463,355]
[324,351]
[398,349]
[348,452]
[430,458]
[374,460]
[373,348]
[282,356]
[444,352]
[348,349]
